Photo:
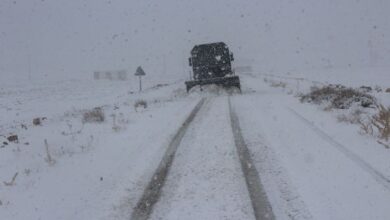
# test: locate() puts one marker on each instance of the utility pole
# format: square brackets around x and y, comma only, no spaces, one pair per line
[29,60]
[164,66]
[29,66]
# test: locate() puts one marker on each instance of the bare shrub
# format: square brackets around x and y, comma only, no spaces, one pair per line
[115,127]
[339,97]
[94,115]
[72,132]
[140,103]
[366,127]
[23,126]
[378,88]
[278,84]
[49,159]
[384,144]
[320,95]
[13,138]
[352,118]
[5,143]
[365,88]
[37,121]
[12,182]
[119,122]
[382,122]
[346,97]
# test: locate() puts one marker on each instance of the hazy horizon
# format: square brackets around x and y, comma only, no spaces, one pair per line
[71,39]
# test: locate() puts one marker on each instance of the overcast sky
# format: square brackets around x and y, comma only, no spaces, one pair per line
[72,38]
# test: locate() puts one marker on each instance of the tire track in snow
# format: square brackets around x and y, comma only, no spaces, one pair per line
[261,206]
[206,180]
[152,192]
[378,176]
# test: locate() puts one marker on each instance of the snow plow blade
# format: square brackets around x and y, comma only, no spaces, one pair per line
[227,82]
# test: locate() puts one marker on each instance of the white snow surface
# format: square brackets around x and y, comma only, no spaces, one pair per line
[311,165]
[206,181]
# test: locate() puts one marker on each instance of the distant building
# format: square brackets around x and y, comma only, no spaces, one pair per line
[111,75]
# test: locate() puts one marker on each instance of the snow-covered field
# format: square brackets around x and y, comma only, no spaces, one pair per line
[98,168]
[311,165]
[314,166]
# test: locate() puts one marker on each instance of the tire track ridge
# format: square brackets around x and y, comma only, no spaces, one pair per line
[260,203]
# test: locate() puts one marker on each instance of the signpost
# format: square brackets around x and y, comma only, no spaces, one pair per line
[140,72]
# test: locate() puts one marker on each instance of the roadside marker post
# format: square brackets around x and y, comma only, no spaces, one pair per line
[140,72]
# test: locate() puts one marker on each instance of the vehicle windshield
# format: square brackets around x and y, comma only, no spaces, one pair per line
[210,55]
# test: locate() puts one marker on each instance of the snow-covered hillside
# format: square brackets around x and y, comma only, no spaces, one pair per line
[311,165]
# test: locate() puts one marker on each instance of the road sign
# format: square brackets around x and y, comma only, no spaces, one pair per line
[140,72]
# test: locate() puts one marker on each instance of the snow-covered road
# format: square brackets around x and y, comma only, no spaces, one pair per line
[206,181]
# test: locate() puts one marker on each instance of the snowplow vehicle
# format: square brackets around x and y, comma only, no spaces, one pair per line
[212,64]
